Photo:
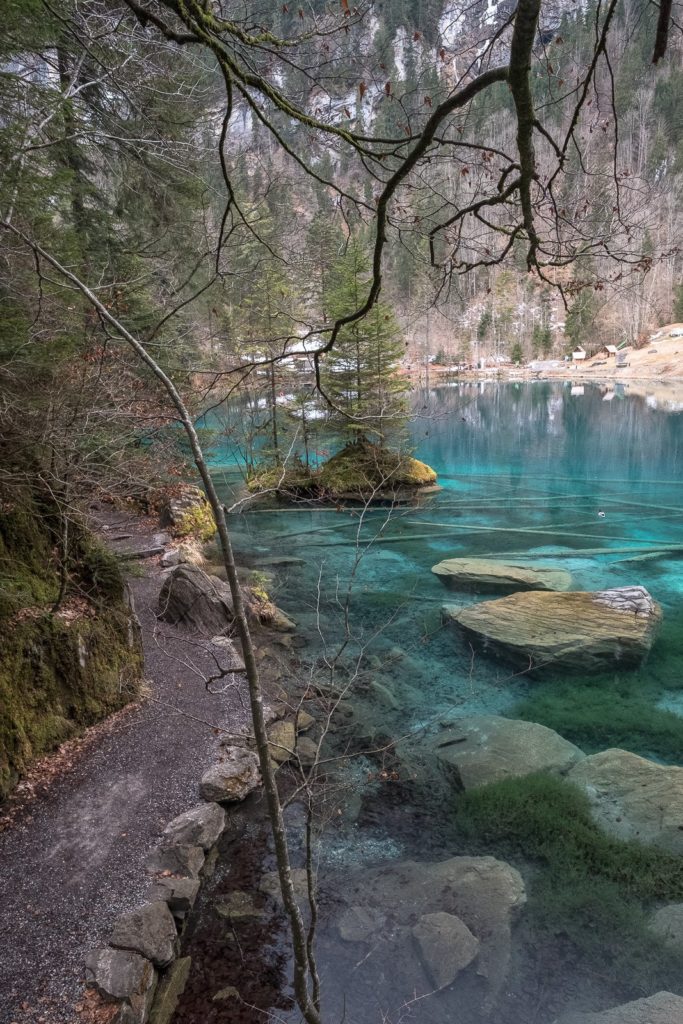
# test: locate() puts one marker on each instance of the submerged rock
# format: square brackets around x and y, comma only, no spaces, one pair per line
[488,574]
[447,946]
[662,1008]
[282,741]
[633,798]
[667,922]
[196,601]
[578,629]
[486,748]
[483,893]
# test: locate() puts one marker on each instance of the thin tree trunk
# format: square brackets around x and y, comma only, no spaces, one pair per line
[302,970]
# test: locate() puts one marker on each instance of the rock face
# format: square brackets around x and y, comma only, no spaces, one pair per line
[481,574]
[196,601]
[662,1008]
[150,931]
[233,778]
[459,911]
[446,945]
[579,630]
[633,798]
[478,750]
[200,826]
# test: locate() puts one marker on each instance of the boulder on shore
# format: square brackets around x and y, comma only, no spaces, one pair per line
[198,602]
[633,798]
[662,1008]
[480,574]
[233,778]
[580,630]
[200,826]
[150,931]
[486,748]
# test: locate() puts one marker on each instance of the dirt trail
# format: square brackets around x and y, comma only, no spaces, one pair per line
[73,858]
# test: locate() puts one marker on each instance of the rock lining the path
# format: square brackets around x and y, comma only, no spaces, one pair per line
[150,931]
[232,778]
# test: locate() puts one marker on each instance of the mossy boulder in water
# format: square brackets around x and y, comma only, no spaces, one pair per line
[361,471]
[578,629]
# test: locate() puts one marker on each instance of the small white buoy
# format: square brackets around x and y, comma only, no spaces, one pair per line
[601,513]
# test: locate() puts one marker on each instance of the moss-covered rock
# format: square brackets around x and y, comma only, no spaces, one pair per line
[362,470]
[60,669]
[186,512]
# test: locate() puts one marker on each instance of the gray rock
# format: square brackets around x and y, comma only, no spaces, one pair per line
[486,894]
[486,748]
[200,826]
[480,574]
[171,987]
[306,751]
[447,946]
[359,924]
[579,630]
[282,741]
[120,974]
[667,922]
[662,1008]
[179,893]
[150,930]
[162,538]
[233,778]
[184,861]
[170,558]
[239,906]
[633,798]
[196,601]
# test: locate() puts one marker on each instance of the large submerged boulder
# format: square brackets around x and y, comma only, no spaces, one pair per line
[633,798]
[486,748]
[481,574]
[458,912]
[662,1008]
[580,630]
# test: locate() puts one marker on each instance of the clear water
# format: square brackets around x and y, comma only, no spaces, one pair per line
[524,469]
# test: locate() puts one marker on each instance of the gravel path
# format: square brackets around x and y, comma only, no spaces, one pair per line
[73,858]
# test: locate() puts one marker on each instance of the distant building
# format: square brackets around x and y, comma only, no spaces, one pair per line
[578,355]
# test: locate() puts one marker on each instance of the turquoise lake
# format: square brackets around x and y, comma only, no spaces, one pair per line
[534,472]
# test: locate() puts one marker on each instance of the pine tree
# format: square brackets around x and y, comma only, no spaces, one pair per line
[362,371]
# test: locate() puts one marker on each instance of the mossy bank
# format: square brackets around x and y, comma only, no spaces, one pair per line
[69,645]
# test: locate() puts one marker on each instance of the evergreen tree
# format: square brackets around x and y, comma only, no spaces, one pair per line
[361,373]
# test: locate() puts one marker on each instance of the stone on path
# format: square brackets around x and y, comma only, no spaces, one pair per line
[196,601]
[447,946]
[486,748]
[233,778]
[633,798]
[150,931]
[200,826]
[488,574]
[662,1008]
[580,630]
[171,987]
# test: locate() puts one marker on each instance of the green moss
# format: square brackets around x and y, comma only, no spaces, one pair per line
[585,886]
[197,522]
[360,470]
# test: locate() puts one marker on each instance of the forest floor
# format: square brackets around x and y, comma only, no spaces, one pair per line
[76,835]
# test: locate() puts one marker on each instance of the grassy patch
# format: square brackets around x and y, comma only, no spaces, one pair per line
[586,886]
